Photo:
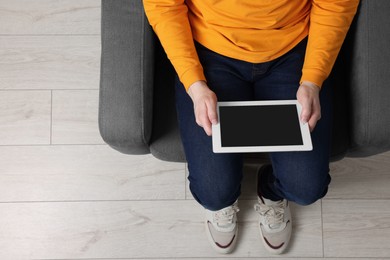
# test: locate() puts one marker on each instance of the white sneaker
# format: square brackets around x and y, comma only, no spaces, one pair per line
[222,228]
[274,224]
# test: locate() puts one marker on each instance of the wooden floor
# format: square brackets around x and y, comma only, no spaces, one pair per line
[64,194]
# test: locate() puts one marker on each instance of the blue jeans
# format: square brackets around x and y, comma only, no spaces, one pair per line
[215,179]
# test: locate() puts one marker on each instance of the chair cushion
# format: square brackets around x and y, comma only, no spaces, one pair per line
[165,142]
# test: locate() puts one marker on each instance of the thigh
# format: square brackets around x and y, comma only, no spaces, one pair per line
[214,178]
[223,77]
[298,171]
[303,177]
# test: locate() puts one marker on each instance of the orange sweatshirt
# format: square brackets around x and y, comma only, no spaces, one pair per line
[251,30]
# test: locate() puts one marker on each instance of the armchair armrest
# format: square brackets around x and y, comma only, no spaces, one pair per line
[126,79]
[369,86]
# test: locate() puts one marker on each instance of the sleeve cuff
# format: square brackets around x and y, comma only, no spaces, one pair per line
[191,76]
[314,75]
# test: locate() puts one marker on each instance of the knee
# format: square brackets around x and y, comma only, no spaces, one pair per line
[308,192]
[215,196]
[216,185]
[309,196]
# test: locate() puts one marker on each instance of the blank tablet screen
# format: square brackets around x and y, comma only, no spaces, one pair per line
[264,125]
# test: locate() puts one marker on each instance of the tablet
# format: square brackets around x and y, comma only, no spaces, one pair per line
[260,126]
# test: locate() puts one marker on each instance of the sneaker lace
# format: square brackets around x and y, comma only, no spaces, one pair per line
[272,214]
[225,216]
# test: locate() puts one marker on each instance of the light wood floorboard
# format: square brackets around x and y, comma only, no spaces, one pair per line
[356,228]
[262,258]
[251,258]
[50,17]
[361,178]
[75,117]
[248,258]
[77,173]
[49,62]
[25,117]
[134,229]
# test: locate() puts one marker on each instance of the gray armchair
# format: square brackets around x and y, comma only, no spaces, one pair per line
[137,111]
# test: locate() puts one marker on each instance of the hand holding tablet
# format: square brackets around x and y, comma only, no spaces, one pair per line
[260,126]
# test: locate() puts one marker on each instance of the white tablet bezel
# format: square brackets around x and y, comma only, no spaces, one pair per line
[305,132]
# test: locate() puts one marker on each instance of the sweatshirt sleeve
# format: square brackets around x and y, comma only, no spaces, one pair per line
[169,19]
[329,23]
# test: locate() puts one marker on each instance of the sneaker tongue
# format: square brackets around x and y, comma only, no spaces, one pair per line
[224,227]
[224,224]
[274,226]
[269,202]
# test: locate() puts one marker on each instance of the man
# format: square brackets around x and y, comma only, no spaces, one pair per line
[252,50]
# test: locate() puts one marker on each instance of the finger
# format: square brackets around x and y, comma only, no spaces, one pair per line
[208,130]
[306,111]
[212,112]
[199,112]
[202,119]
[206,124]
[316,115]
[312,123]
